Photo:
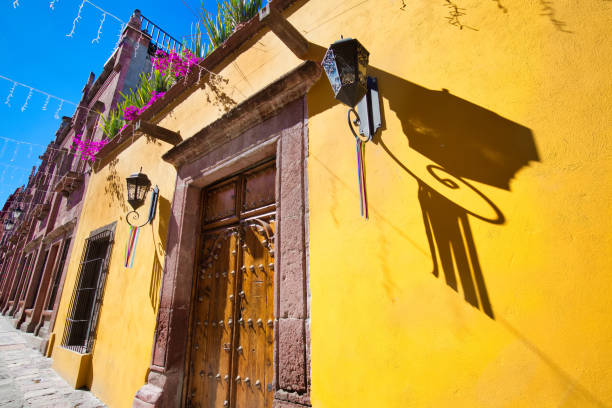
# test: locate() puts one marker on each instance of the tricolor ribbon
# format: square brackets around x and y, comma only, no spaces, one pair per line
[363,201]
[130,247]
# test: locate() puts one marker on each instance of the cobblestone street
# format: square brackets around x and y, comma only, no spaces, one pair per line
[27,379]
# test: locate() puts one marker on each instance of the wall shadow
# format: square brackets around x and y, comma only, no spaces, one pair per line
[164,216]
[465,141]
[114,186]
[155,283]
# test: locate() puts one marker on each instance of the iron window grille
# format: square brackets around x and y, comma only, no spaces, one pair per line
[25,278]
[58,274]
[25,263]
[80,328]
[38,278]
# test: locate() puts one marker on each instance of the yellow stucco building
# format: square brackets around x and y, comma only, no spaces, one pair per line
[480,278]
[116,364]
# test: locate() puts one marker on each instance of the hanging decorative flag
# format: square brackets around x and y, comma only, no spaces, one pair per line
[137,44]
[10,95]
[76,19]
[97,39]
[46,102]
[52,4]
[59,108]
[363,202]
[25,104]
[130,247]
[119,35]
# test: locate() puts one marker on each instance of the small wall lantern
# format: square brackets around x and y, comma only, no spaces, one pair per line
[9,225]
[346,64]
[17,212]
[138,185]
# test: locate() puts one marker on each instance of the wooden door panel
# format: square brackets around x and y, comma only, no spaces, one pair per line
[258,190]
[220,202]
[232,330]
[255,336]
[211,338]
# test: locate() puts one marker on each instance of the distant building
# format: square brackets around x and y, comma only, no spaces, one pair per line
[38,247]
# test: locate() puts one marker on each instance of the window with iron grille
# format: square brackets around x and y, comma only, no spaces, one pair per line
[36,282]
[58,275]
[25,263]
[25,279]
[80,329]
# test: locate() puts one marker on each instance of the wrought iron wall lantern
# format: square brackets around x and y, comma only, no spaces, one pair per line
[346,63]
[9,225]
[138,185]
[17,212]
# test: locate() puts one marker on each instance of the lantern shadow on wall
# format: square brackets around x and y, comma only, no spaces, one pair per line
[466,141]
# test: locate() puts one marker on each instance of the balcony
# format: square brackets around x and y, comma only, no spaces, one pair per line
[41,211]
[69,182]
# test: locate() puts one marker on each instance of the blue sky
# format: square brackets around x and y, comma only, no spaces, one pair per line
[38,53]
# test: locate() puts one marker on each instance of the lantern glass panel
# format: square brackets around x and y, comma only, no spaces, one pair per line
[331,69]
[137,188]
[345,64]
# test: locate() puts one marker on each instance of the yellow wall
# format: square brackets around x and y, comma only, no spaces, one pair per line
[524,122]
[527,124]
[122,350]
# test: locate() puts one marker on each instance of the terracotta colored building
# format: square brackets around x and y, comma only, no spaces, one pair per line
[32,275]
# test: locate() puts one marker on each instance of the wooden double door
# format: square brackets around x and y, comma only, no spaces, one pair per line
[232,320]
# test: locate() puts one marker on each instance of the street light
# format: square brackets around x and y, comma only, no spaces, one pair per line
[138,185]
[345,63]
[9,225]
[17,213]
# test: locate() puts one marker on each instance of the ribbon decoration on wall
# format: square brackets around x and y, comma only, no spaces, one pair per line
[130,247]
[363,200]
[360,143]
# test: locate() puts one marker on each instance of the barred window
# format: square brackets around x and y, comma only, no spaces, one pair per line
[58,275]
[80,329]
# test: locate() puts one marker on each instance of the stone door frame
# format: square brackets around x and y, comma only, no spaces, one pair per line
[271,123]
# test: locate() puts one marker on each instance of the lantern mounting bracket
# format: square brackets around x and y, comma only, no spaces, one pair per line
[367,115]
[134,216]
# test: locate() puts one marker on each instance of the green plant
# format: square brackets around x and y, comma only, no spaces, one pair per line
[239,11]
[230,13]
[197,47]
[137,100]
[218,28]
[111,125]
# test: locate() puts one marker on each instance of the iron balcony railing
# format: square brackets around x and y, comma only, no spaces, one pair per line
[166,42]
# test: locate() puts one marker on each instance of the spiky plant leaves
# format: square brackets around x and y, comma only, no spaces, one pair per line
[230,13]
[196,46]
[217,27]
[239,11]
[111,125]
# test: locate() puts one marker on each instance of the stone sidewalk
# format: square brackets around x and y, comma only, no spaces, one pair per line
[27,379]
